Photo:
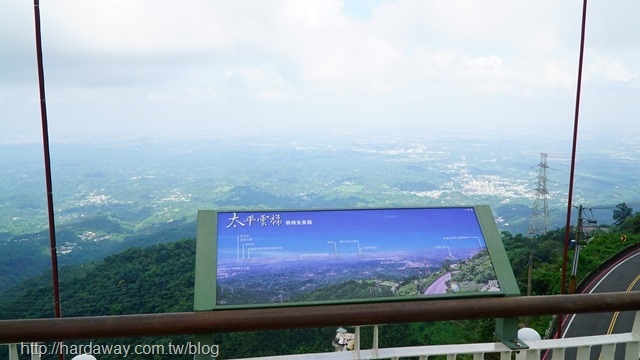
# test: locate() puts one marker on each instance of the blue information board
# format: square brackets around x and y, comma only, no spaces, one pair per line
[288,258]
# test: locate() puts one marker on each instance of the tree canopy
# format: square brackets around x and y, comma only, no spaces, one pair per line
[621,213]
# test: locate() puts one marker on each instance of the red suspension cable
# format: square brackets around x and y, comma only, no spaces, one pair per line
[567,231]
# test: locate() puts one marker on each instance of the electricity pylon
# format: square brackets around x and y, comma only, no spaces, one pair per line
[539,222]
[540,214]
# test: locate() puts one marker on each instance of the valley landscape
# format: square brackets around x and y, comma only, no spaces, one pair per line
[157,110]
[126,210]
[111,196]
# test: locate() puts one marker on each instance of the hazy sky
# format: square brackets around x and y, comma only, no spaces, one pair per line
[142,68]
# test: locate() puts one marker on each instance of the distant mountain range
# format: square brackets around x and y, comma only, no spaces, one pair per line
[109,197]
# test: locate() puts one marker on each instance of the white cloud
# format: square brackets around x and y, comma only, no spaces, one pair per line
[607,69]
[288,61]
[137,27]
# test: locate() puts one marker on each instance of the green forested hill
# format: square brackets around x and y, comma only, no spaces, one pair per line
[155,279]
[78,242]
[159,278]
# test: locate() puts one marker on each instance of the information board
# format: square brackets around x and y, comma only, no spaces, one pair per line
[288,258]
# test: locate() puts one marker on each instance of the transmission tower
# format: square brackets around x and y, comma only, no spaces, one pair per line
[540,214]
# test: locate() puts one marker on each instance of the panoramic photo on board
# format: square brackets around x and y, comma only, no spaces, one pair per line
[301,256]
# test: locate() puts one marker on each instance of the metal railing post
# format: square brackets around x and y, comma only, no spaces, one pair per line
[633,349]
[375,339]
[13,352]
[357,347]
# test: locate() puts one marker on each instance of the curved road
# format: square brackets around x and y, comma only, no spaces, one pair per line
[439,286]
[623,275]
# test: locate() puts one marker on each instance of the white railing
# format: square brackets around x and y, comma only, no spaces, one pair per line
[20,332]
[556,348]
